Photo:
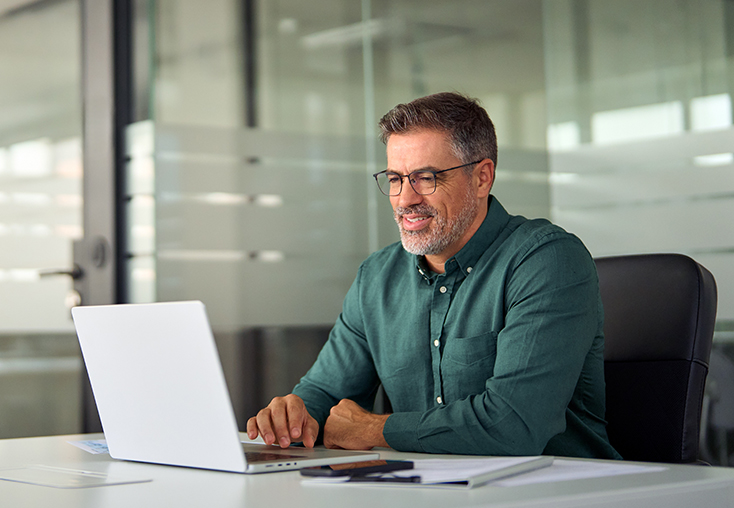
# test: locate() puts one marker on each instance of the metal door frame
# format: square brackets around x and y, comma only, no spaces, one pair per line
[107,109]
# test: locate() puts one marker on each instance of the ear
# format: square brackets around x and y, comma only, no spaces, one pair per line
[484,173]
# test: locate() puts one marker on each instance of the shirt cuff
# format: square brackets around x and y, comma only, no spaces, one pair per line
[400,432]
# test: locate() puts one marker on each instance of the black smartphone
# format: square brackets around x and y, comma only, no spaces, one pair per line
[358,468]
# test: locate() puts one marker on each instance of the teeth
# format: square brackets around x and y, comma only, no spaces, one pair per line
[416,219]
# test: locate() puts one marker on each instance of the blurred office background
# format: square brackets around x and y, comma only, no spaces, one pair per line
[248,141]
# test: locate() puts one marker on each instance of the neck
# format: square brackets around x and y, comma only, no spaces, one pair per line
[436,266]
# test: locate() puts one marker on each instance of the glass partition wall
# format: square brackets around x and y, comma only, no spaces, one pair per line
[250,177]
[250,169]
[640,130]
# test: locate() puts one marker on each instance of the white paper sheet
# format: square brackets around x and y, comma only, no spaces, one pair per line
[457,470]
[568,469]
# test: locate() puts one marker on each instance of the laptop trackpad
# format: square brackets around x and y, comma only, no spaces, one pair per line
[268,456]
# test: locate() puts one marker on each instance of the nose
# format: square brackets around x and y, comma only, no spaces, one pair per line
[408,196]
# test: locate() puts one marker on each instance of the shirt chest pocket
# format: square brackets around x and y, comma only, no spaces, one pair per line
[466,364]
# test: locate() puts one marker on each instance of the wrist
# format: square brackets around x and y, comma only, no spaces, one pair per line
[378,426]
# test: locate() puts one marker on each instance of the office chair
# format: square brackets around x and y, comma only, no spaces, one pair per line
[717,420]
[659,311]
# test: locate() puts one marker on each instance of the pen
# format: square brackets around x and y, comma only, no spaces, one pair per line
[386,479]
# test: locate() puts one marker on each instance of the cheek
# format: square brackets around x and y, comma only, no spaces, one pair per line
[438,205]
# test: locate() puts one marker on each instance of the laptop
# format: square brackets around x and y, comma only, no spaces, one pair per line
[161,395]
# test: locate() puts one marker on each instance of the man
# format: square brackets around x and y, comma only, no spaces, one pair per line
[484,329]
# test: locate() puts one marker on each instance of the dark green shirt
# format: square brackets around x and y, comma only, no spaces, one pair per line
[500,355]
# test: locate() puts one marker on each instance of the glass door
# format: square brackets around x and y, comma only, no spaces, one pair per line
[40,216]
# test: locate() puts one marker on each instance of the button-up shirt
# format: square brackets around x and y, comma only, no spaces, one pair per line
[500,355]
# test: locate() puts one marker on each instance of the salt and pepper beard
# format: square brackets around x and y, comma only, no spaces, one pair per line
[442,231]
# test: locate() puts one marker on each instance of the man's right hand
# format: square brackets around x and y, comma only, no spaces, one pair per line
[285,420]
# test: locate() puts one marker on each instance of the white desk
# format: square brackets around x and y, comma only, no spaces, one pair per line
[684,486]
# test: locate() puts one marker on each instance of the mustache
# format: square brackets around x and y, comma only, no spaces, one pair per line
[426,210]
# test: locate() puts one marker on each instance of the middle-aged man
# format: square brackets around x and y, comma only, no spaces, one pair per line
[485,329]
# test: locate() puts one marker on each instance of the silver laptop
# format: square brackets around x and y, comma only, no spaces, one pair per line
[161,394]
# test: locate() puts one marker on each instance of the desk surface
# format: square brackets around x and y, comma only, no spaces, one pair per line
[683,486]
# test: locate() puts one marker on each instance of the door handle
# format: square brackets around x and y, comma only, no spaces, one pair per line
[73,298]
[75,272]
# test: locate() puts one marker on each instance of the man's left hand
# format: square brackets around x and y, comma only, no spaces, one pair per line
[352,428]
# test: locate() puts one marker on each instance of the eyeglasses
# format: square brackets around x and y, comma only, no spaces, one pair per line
[423,181]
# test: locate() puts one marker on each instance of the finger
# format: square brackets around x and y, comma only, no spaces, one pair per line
[297,415]
[344,407]
[310,432]
[252,428]
[336,410]
[279,419]
[264,425]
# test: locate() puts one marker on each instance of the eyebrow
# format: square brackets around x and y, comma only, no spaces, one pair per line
[425,168]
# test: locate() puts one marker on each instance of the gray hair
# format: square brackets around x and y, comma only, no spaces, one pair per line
[470,130]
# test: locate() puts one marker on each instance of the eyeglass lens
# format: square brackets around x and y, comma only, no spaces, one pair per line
[423,182]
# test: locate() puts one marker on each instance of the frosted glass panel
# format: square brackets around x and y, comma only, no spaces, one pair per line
[269,229]
[640,136]
[258,156]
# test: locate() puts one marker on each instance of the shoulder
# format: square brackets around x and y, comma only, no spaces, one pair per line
[546,250]
[385,270]
[529,235]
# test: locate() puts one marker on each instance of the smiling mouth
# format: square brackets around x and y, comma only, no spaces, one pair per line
[416,223]
[416,219]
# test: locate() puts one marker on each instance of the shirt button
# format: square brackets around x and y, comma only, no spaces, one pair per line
[468,270]
[436,343]
[442,289]
[439,400]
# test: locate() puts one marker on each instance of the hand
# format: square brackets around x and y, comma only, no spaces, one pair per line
[351,427]
[285,419]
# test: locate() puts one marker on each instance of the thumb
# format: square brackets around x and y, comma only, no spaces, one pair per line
[310,432]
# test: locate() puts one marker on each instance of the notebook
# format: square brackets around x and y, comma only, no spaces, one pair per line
[160,391]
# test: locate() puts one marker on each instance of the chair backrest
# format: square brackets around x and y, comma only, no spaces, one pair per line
[659,315]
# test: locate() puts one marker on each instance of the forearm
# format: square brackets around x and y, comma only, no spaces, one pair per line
[344,368]
[473,426]
[329,381]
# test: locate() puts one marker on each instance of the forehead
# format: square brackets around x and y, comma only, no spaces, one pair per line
[419,149]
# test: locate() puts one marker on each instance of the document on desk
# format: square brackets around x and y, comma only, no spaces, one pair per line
[450,473]
[576,469]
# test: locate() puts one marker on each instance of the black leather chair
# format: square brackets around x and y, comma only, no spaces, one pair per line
[659,311]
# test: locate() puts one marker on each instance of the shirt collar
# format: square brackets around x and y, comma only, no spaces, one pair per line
[494,222]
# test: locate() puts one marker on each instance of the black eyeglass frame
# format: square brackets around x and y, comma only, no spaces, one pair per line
[385,171]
